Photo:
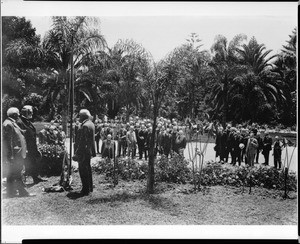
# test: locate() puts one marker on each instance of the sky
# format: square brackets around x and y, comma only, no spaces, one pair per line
[160,27]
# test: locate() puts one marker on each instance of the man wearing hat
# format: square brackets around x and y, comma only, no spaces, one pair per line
[32,158]
[14,153]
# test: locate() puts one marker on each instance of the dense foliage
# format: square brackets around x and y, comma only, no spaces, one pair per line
[234,80]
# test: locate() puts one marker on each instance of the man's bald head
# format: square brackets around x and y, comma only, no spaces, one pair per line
[13,113]
[84,114]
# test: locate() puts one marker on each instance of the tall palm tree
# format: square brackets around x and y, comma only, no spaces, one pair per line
[225,63]
[79,36]
[255,56]
[254,97]
[285,67]
[125,63]
[256,92]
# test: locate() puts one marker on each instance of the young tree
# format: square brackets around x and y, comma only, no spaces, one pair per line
[160,79]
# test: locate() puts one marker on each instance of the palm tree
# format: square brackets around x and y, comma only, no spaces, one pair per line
[285,67]
[125,63]
[254,97]
[161,78]
[255,56]
[257,92]
[80,36]
[226,66]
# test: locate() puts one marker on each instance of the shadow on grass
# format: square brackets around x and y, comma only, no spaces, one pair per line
[156,202]
[75,195]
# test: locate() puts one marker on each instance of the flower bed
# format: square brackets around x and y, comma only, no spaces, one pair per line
[268,177]
[176,170]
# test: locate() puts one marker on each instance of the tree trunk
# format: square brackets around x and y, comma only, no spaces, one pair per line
[150,183]
[64,118]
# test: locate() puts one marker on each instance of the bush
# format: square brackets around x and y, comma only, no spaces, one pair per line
[271,178]
[177,170]
[173,170]
[127,169]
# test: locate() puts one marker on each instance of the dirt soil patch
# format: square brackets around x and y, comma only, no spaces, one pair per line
[128,204]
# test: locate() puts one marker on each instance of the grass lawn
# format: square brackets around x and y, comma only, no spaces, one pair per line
[127,204]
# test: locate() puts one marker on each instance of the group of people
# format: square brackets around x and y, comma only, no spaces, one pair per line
[246,144]
[20,150]
[132,139]
[121,139]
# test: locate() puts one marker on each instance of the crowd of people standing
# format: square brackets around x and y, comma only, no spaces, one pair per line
[132,139]
[246,145]
[121,138]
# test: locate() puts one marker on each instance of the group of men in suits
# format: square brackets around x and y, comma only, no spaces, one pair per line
[20,150]
[133,138]
[243,145]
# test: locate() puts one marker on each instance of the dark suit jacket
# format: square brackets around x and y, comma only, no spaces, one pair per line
[85,144]
[30,134]
[14,143]
[267,142]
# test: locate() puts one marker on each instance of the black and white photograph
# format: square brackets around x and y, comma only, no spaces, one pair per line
[149,120]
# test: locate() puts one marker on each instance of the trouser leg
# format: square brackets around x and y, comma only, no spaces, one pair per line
[257,156]
[97,144]
[124,149]
[140,151]
[266,155]
[84,176]
[119,148]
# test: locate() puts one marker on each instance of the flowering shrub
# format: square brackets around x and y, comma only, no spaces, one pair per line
[217,174]
[52,151]
[52,158]
[177,170]
[127,169]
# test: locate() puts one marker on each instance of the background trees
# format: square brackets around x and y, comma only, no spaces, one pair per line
[235,80]
[20,55]
[225,63]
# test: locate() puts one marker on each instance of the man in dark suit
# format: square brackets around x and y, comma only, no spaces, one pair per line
[14,153]
[33,155]
[84,149]
[141,141]
[267,147]
[166,142]
[122,144]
